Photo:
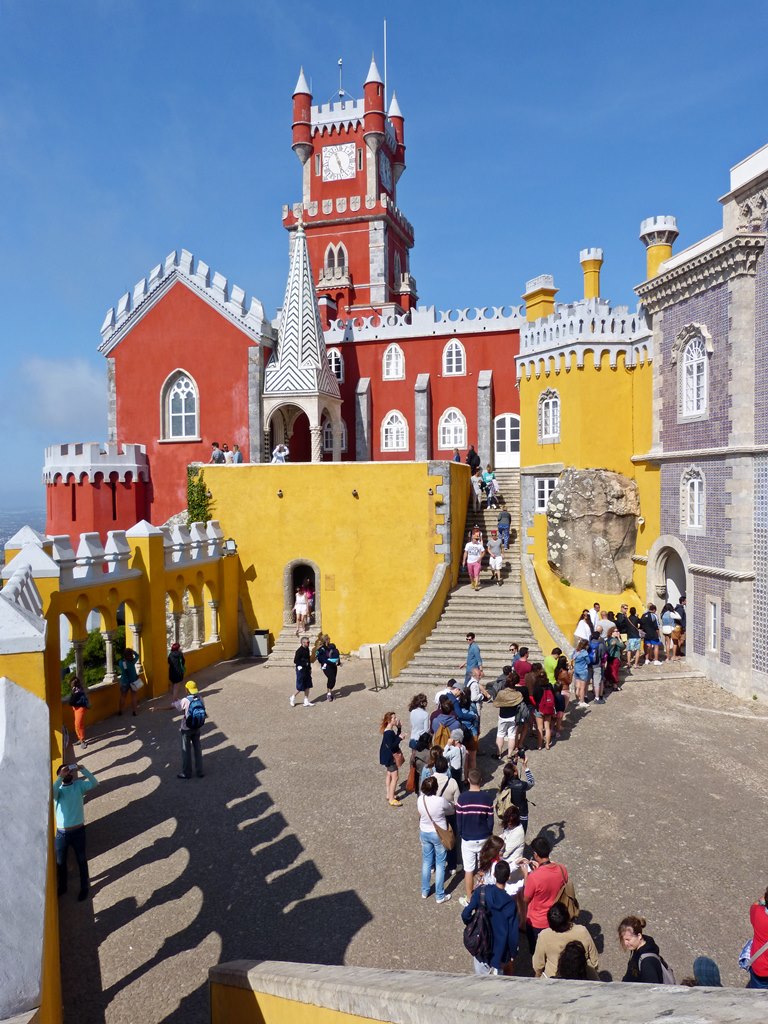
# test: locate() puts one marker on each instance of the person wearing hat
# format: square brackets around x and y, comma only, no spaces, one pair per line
[176,669]
[455,753]
[190,734]
[494,546]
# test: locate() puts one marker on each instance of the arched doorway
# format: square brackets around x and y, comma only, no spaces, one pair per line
[290,425]
[674,576]
[296,573]
[506,433]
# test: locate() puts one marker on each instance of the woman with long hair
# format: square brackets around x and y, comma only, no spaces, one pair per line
[301,609]
[758,917]
[390,755]
[432,811]
[668,623]
[563,677]
[581,669]
[417,709]
[435,751]
[583,630]
[489,856]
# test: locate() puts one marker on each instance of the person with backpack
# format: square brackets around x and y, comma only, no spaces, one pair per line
[552,941]
[508,701]
[646,964]
[758,952]
[176,669]
[544,698]
[545,882]
[615,648]
[193,718]
[328,658]
[649,628]
[598,655]
[513,790]
[492,927]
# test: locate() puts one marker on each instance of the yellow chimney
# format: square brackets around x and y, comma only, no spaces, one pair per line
[657,235]
[539,297]
[591,261]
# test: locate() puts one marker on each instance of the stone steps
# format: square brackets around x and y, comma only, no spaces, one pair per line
[282,654]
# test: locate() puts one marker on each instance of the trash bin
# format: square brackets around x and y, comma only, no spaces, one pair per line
[261,643]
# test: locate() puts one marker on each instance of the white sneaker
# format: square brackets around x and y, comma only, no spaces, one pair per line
[308,703]
[463,901]
[444,899]
[293,701]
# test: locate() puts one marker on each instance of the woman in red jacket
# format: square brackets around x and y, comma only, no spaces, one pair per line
[758,916]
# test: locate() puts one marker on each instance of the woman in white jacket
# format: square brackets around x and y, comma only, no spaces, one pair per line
[513,835]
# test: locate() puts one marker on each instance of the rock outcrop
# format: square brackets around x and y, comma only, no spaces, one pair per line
[592,529]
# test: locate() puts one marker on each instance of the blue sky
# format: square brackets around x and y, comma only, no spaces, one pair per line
[129,128]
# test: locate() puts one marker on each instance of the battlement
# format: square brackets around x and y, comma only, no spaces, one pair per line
[22,626]
[343,205]
[589,325]
[661,230]
[344,113]
[214,287]
[92,458]
[424,321]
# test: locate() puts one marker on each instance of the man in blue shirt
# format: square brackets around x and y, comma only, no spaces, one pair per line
[474,658]
[68,792]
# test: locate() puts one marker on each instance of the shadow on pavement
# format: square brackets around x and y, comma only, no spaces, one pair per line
[231,873]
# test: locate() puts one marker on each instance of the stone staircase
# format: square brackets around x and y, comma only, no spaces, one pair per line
[495,614]
[282,654]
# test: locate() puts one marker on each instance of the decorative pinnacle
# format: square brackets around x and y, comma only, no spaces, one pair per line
[373,73]
[301,86]
[658,231]
[394,106]
[590,254]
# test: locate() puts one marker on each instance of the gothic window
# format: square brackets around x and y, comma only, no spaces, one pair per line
[394,432]
[336,259]
[393,363]
[336,363]
[452,430]
[330,258]
[454,359]
[341,257]
[180,407]
[549,417]
[694,374]
[692,500]
[328,435]
[397,272]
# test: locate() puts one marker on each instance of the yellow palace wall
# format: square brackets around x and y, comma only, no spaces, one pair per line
[375,551]
[605,418]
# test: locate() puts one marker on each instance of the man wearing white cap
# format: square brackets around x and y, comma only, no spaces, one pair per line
[193,716]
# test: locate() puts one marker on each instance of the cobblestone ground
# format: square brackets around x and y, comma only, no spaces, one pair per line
[288,850]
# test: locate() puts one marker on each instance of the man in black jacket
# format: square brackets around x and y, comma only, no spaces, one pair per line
[302,659]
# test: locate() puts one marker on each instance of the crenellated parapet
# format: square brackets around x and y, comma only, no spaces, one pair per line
[188,546]
[89,459]
[574,329]
[426,321]
[211,286]
[347,205]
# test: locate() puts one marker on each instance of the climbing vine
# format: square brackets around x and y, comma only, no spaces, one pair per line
[199,501]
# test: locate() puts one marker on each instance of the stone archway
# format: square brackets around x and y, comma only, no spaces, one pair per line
[669,575]
[291,572]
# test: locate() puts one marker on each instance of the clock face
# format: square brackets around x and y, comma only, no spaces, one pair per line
[339,162]
[385,172]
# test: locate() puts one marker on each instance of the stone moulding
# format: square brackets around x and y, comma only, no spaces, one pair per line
[721,574]
[736,257]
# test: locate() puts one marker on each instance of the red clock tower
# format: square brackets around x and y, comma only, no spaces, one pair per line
[352,154]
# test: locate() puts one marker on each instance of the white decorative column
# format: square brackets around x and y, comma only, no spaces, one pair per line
[79,647]
[109,653]
[214,637]
[196,611]
[135,629]
[316,433]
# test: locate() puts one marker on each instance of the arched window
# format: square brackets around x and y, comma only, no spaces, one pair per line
[393,363]
[452,430]
[549,417]
[454,360]
[694,378]
[330,258]
[341,257]
[336,259]
[328,435]
[394,432]
[397,272]
[336,363]
[692,500]
[180,407]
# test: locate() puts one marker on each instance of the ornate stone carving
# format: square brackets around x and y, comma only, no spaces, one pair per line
[736,257]
[591,529]
[753,212]
[685,335]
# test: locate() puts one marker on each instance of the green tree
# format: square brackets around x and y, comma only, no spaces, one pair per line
[94,659]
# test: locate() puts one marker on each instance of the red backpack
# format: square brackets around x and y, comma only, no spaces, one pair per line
[547,702]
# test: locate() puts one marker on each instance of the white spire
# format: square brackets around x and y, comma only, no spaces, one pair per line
[373,73]
[301,85]
[394,107]
[298,363]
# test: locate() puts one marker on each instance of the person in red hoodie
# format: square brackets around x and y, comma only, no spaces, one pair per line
[758,916]
[543,882]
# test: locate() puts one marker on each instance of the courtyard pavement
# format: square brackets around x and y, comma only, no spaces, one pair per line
[287,849]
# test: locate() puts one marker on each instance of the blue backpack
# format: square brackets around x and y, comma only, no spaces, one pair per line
[196,713]
[594,649]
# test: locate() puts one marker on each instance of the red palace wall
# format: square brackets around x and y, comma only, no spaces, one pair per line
[484,351]
[94,506]
[181,332]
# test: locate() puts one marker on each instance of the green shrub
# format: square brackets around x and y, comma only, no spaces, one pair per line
[199,501]
[94,659]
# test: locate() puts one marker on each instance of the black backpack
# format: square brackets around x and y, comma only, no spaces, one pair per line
[478,934]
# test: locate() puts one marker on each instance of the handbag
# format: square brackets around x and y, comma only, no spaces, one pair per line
[445,835]
[567,896]
[137,684]
[398,758]
[411,781]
